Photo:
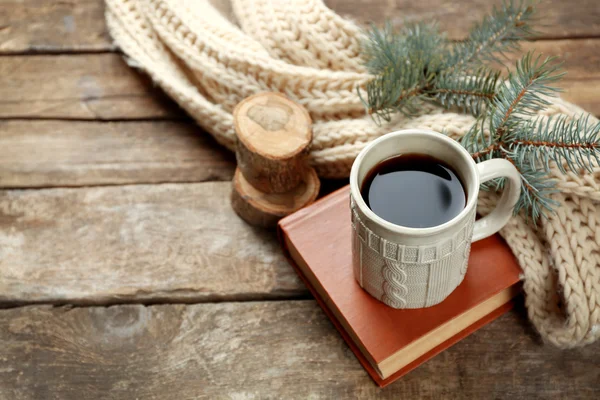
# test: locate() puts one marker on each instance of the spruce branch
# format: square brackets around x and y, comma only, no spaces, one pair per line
[470,93]
[402,65]
[420,60]
[508,130]
[571,144]
[479,142]
[383,49]
[402,90]
[425,45]
[497,34]
[525,92]
[537,187]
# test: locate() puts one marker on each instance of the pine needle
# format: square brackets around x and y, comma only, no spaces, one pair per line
[470,93]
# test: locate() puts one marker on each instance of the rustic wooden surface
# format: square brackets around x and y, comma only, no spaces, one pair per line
[78,26]
[278,350]
[79,153]
[557,19]
[111,195]
[103,87]
[157,243]
[97,87]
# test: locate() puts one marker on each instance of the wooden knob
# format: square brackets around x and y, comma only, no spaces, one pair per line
[274,136]
[265,209]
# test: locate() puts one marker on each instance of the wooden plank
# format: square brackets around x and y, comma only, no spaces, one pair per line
[556,18]
[75,26]
[581,61]
[75,153]
[89,86]
[53,26]
[102,86]
[141,243]
[580,58]
[273,350]
[584,93]
[70,26]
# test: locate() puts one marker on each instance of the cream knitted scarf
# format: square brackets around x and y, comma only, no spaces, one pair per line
[207,63]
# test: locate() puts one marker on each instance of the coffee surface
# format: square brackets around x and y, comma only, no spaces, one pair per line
[414,190]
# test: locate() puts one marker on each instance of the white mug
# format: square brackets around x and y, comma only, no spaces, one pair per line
[419,267]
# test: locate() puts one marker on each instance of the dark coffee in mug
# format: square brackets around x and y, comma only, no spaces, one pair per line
[414,190]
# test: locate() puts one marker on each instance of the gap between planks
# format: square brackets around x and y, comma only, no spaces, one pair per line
[238,298]
[60,52]
[136,244]
[116,50]
[81,27]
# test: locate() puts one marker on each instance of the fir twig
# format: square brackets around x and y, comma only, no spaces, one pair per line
[508,131]
[498,34]
[525,92]
[470,93]
[424,66]
[572,145]
[402,65]
[537,187]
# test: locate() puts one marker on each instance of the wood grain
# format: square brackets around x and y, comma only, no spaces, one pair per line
[183,243]
[266,209]
[75,153]
[581,61]
[157,243]
[102,86]
[273,350]
[53,26]
[75,26]
[87,86]
[555,18]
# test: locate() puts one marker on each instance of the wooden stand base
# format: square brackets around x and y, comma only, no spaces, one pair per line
[265,209]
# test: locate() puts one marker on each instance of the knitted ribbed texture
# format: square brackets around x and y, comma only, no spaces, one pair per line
[409,276]
[304,50]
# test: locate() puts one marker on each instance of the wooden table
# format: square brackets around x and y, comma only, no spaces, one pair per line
[125,274]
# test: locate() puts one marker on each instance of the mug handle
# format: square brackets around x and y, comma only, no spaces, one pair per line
[494,221]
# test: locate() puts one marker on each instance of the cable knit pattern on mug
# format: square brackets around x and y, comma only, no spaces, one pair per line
[387,262]
[304,50]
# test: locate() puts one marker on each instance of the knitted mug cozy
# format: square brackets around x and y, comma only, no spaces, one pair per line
[207,63]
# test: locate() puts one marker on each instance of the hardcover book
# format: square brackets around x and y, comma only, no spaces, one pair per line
[389,342]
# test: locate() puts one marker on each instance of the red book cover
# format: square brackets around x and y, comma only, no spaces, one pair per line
[317,241]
